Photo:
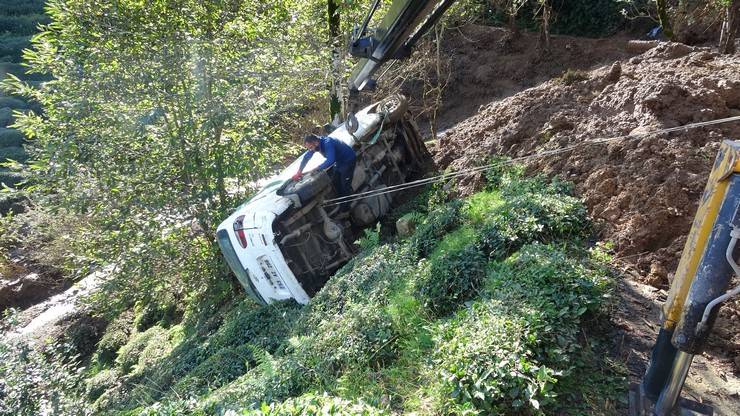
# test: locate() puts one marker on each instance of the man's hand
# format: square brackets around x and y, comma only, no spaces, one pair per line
[297,176]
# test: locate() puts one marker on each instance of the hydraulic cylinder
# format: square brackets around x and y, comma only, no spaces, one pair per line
[702,273]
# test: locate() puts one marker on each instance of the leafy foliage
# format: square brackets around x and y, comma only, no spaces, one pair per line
[439,222]
[311,404]
[456,270]
[130,354]
[33,383]
[151,108]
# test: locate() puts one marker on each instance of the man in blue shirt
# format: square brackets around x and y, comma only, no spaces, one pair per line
[336,153]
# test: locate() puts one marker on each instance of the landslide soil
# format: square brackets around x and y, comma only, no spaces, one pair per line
[504,96]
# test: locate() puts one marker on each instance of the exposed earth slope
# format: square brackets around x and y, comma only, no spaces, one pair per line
[642,194]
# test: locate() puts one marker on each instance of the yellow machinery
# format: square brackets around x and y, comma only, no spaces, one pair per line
[700,285]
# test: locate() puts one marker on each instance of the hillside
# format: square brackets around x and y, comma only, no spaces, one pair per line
[641,194]
[18,22]
[532,288]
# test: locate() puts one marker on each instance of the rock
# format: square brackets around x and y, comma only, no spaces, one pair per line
[640,46]
[27,290]
[614,73]
[405,226]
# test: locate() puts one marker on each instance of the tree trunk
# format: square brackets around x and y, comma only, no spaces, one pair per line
[729,28]
[665,22]
[335,106]
[512,17]
[545,26]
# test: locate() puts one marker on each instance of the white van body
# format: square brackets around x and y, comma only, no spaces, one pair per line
[283,243]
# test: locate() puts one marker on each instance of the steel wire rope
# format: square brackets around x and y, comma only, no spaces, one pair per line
[450,175]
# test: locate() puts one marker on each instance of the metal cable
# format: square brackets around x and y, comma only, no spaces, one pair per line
[449,175]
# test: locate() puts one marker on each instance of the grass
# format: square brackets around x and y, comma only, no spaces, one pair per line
[480,311]
[571,76]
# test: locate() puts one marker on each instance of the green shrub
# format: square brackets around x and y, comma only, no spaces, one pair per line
[17,154]
[559,287]
[6,116]
[439,222]
[13,103]
[10,203]
[10,138]
[456,270]
[115,337]
[590,18]
[311,404]
[217,370]
[266,327]
[158,345]
[15,7]
[10,179]
[533,209]
[362,336]
[33,381]
[162,312]
[370,239]
[13,46]
[366,279]
[11,68]
[96,385]
[507,352]
[571,76]
[275,379]
[22,25]
[488,366]
[128,355]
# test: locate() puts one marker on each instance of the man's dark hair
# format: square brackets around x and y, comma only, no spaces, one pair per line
[311,138]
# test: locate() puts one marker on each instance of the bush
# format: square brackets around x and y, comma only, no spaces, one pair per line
[439,222]
[506,353]
[266,327]
[6,117]
[13,46]
[17,154]
[10,203]
[571,76]
[311,404]
[15,7]
[158,346]
[456,270]
[10,138]
[366,279]
[217,370]
[34,383]
[362,336]
[162,312]
[22,25]
[129,354]
[115,337]
[11,68]
[96,385]
[13,103]
[488,365]
[10,179]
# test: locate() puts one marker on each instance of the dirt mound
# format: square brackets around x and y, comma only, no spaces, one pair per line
[641,193]
[482,63]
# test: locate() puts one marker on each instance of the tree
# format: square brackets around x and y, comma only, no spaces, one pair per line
[335,106]
[154,107]
[664,18]
[729,26]
[511,8]
[545,12]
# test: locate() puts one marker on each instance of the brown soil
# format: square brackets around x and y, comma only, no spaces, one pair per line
[507,98]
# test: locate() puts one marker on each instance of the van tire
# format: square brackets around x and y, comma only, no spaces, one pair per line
[394,106]
[308,187]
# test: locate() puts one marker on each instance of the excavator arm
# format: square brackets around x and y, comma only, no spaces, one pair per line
[402,26]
